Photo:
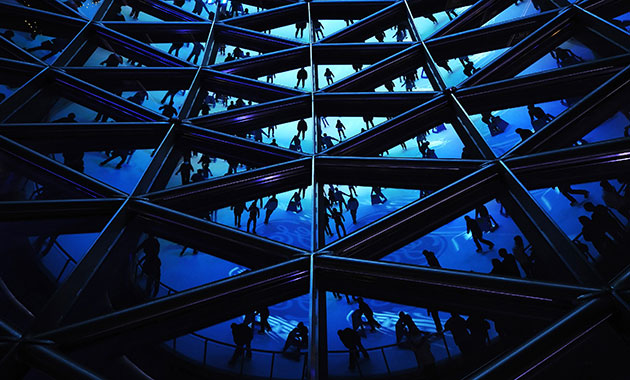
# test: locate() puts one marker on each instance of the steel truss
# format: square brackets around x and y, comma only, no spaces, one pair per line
[65,344]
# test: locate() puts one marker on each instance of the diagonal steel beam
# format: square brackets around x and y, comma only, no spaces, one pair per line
[527,51]
[165,11]
[554,249]
[271,63]
[50,172]
[244,88]
[487,38]
[404,173]
[141,52]
[547,345]
[226,243]
[13,52]
[70,291]
[62,137]
[131,78]
[448,290]
[271,18]
[184,312]
[162,32]
[46,359]
[246,119]
[580,119]
[400,128]
[252,40]
[57,217]
[228,190]
[369,25]
[475,16]
[369,103]
[242,150]
[586,163]
[541,87]
[389,68]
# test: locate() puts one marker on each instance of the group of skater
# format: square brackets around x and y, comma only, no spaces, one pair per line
[243,334]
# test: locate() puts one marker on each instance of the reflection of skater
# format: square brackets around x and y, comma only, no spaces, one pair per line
[115,154]
[151,264]
[302,127]
[318,28]
[238,211]
[377,195]
[485,220]
[301,77]
[264,319]
[338,218]
[296,340]
[567,190]
[353,205]
[196,51]
[538,116]
[327,141]
[457,326]
[432,261]
[329,76]
[295,203]
[54,46]
[184,170]
[369,314]
[295,144]
[565,57]
[477,234]
[352,341]
[299,28]
[254,213]
[270,206]
[340,129]
[242,335]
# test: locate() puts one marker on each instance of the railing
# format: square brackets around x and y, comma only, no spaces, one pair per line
[243,361]
[64,254]
[69,259]
[274,354]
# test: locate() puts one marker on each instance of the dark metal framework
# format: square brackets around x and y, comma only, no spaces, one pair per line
[55,342]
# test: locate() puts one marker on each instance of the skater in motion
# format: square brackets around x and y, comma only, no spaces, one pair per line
[338,218]
[352,341]
[254,213]
[302,75]
[329,76]
[477,234]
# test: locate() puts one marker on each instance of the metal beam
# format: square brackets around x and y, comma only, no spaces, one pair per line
[448,290]
[548,344]
[527,51]
[541,87]
[586,163]
[57,217]
[86,137]
[369,103]
[50,172]
[246,119]
[184,312]
[396,130]
[580,119]
[226,243]
[228,190]
[404,173]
